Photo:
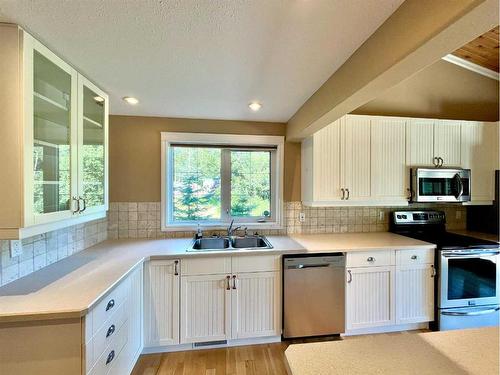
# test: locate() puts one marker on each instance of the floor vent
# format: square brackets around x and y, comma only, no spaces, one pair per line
[210,343]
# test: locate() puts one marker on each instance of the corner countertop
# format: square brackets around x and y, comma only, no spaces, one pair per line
[70,287]
[470,351]
[480,235]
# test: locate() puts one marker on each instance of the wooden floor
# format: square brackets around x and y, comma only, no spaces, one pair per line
[265,359]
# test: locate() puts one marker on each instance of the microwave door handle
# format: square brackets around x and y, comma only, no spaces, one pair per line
[461,185]
[471,313]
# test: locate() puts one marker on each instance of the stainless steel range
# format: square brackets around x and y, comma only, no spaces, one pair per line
[468,272]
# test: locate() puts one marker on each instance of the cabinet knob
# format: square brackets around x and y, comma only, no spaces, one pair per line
[110,358]
[370,259]
[111,330]
[414,257]
[110,304]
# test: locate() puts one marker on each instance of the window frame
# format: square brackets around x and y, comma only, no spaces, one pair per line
[225,141]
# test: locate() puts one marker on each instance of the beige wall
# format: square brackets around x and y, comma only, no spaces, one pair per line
[442,90]
[134,153]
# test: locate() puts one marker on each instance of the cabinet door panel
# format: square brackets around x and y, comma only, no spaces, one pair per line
[256,302]
[480,154]
[92,146]
[50,135]
[205,308]
[447,142]
[420,143]
[356,156]
[161,297]
[369,297]
[414,293]
[327,163]
[388,162]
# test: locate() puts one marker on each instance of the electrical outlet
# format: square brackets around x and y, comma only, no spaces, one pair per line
[16,248]
[302,217]
[381,215]
[458,215]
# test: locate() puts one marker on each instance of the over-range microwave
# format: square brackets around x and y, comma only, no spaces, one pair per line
[440,185]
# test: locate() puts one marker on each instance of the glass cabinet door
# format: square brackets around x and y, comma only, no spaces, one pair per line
[92,151]
[53,115]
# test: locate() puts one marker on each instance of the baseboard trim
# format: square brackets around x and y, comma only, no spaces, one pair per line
[230,343]
[386,329]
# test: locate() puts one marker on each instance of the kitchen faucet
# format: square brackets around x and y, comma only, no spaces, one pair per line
[231,230]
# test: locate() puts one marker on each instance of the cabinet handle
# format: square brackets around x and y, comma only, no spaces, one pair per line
[77,205]
[110,304]
[234,281]
[111,330]
[228,282]
[434,273]
[370,259]
[441,162]
[343,193]
[176,268]
[435,161]
[348,194]
[350,276]
[410,194]
[110,358]
[80,210]
[414,257]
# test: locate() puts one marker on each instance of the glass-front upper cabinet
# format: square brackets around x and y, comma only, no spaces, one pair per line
[92,147]
[51,135]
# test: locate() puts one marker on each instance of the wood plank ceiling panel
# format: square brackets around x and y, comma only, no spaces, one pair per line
[483,50]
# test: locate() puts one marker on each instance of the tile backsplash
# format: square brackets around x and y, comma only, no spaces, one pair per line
[142,219]
[47,248]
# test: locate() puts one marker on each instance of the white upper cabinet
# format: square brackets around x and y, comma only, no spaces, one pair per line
[447,142]
[420,143]
[479,153]
[388,180]
[356,158]
[54,140]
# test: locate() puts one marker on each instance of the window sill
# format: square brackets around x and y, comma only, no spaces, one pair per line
[219,226]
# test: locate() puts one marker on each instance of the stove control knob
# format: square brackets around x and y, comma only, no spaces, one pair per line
[398,216]
[405,217]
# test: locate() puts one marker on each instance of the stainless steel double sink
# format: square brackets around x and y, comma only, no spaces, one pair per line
[230,243]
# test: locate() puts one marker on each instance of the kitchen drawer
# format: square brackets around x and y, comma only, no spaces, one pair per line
[370,258]
[206,266]
[109,304]
[417,256]
[108,358]
[256,263]
[106,333]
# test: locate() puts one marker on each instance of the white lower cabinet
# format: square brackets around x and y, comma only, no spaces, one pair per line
[256,305]
[397,293]
[234,305]
[161,302]
[415,293]
[205,308]
[369,297]
[113,329]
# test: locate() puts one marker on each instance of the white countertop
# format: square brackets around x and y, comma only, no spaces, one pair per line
[471,351]
[346,242]
[70,287]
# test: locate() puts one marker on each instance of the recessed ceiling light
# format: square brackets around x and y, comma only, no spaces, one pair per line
[131,100]
[255,106]
[98,99]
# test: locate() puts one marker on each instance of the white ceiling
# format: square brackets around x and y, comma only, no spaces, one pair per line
[203,58]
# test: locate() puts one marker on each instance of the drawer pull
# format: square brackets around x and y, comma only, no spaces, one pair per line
[371,259]
[110,358]
[176,268]
[111,330]
[414,257]
[110,305]
[228,282]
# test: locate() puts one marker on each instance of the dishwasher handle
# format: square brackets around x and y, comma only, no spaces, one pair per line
[303,266]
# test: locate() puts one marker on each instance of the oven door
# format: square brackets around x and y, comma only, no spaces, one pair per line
[468,278]
[441,185]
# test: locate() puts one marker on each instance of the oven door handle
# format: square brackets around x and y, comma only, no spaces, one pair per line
[470,255]
[471,313]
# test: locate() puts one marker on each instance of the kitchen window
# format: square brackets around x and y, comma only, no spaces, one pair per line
[211,179]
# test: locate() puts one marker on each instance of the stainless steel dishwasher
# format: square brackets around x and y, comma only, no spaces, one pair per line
[313,295]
